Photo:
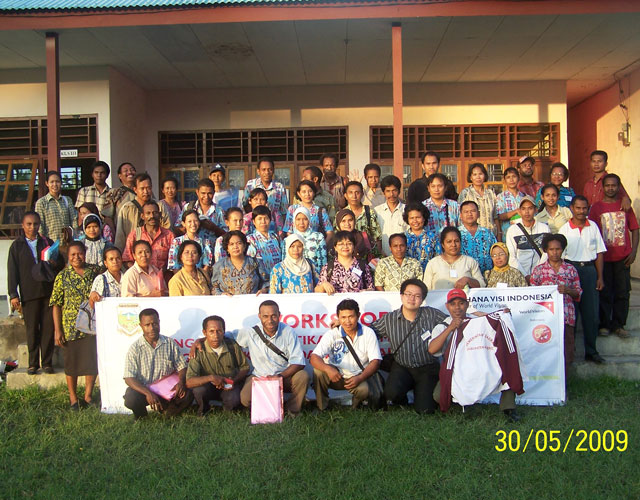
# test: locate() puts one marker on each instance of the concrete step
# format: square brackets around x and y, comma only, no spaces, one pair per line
[19,379]
[23,357]
[625,367]
[612,345]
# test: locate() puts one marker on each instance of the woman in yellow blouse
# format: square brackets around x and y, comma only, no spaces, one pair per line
[189,280]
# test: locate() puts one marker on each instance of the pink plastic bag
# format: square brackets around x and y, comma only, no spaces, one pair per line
[266,400]
[165,386]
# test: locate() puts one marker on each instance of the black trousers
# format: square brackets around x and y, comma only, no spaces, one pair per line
[137,403]
[207,392]
[38,320]
[614,298]
[422,380]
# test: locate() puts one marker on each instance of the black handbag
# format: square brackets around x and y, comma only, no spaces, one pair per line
[387,359]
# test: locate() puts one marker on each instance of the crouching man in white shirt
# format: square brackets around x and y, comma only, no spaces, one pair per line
[334,359]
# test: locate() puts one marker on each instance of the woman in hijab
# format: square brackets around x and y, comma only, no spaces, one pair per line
[314,246]
[93,239]
[346,221]
[296,273]
[502,274]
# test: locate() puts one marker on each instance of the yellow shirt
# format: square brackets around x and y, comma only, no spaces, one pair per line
[183,284]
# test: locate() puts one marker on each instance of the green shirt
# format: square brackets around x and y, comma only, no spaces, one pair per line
[207,362]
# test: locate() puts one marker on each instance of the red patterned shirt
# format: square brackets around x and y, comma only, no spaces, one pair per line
[545,274]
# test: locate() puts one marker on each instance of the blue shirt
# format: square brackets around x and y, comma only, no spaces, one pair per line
[448,214]
[478,246]
[564,199]
[423,247]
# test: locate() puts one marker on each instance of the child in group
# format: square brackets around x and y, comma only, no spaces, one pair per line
[264,244]
[174,207]
[234,220]
[550,211]
[258,197]
[319,221]
[93,240]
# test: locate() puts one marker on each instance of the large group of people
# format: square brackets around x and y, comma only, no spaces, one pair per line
[334,236]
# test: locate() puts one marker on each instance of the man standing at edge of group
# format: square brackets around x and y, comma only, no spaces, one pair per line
[334,365]
[527,184]
[276,193]
[413,367]
[130,215]
[116,198]
[418,189]
[33,298]
[333,183]
[593,189]
[585,251]
[98,191]
[615,225]
[149,359]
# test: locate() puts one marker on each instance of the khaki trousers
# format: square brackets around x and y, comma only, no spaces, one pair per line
[322,384]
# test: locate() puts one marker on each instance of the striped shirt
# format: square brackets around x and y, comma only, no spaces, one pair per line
[413,352]
[147,364]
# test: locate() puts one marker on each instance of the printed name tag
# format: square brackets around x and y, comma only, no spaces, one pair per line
[453,273]
[357,272]
[568,198]
[426,335]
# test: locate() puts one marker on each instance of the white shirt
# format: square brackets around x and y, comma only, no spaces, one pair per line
[439,274]
[583,244]
[265,362]
[333,350]
[391,222]
[33,245]
[521,255]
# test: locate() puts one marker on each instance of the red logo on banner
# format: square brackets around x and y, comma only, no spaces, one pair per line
[541,334]
[548,305]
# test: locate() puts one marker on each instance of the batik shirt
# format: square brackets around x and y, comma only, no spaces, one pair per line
[265,249]
[227,198]
[390,275]
[284,281]
[319,219]
[477,246]
[530,189]
[315,248]
[486,203]
[423,247]
[564,198]
[248,227]
[214,214]
[174,211]
[370,226]
[225,278]
[276,195]
[206,259]
[448,214]
[349,280]
[507,202]
[545,274]
[69,291]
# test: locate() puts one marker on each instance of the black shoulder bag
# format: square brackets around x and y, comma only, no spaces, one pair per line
[269,344]
[387,359]
[531,241]
[375,382]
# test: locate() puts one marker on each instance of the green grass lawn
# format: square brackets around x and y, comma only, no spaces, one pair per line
[48,452]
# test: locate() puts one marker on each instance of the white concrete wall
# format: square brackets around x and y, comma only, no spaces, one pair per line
[127,106]
[357,106]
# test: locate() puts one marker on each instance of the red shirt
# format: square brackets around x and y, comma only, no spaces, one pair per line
[530,189]
[160,246]
[615,226]
[594,190]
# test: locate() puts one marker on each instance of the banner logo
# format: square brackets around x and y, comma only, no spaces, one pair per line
[541,334]
[128,321]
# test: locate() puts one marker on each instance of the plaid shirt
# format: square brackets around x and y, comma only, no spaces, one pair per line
[90,194]
[507,202]
[265,249]
[276,195]
[448,214]
[530,189]
[544,274]
[389,275]
[55,215]
[147,364]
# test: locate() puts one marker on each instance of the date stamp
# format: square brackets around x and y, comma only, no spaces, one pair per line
[576,440]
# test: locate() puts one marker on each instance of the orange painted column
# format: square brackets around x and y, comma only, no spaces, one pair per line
[396,59]
[53,103]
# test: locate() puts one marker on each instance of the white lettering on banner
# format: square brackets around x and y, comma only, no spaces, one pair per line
[537,317]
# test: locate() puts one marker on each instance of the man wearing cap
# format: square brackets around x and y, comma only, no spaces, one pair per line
[412,367]
[585,251]
[224,198]
[470,347]
[527,184]
[524,239]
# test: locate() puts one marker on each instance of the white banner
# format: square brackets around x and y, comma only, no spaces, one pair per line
[537,317]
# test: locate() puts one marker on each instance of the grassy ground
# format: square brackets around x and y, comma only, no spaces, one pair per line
[48,452]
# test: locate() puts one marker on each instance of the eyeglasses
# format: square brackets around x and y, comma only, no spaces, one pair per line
[416,296]
[557,174]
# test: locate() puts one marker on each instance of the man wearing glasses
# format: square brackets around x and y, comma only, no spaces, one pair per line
[412,367]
